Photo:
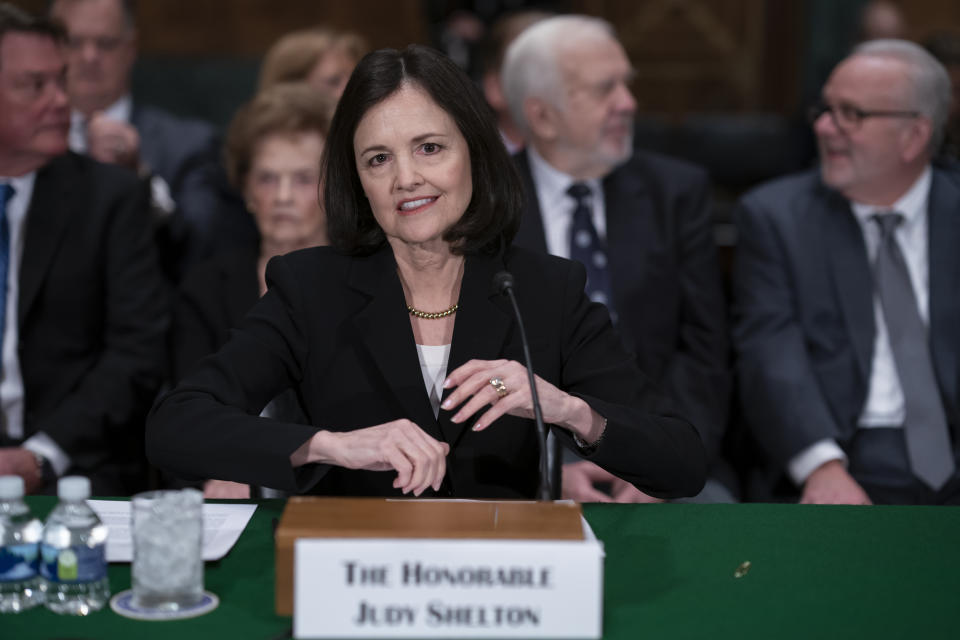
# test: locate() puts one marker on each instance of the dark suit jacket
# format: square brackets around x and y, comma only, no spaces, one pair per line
[336,329]
[92,317]
[186,154]
[665,279]
[213,298]
[804,327]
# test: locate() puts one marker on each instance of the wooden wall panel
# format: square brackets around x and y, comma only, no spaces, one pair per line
[246,28]
[706,55]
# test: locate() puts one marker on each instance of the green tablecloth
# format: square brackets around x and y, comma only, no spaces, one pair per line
[871,572]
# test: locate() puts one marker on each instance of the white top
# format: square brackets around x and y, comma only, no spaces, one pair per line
[433,365]
[557,206]
[884,405]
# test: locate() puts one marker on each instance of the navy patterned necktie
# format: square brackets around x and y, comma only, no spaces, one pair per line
[925,423]
[587,247]
[6,192]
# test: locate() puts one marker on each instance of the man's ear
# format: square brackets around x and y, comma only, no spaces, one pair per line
[542,118]
[493,92]
[915,139]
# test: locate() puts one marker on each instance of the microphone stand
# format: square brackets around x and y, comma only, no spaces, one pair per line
[503,281]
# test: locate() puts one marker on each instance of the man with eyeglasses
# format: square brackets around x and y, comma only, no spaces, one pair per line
[847,304]
[179,157]
[639,222]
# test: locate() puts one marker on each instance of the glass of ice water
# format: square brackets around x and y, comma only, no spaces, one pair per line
[167,566]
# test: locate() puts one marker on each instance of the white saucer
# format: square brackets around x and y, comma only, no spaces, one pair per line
[122,603]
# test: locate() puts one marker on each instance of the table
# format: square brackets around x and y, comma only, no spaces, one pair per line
[816,571]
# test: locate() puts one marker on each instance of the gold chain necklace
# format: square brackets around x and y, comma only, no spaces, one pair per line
[426,315]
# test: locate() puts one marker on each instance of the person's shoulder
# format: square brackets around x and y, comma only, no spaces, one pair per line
[537,268]
[146,117]
[783,196]
[98,177]
[793,184]
[527,259]
[322,267]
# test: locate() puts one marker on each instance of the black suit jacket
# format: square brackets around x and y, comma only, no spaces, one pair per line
[92,315]
[336,329]
[804,327]
[665,279]
[213,299]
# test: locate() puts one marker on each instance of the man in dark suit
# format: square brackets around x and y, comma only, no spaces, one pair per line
[83,308]
[179,156]
[847,308]
[640,223]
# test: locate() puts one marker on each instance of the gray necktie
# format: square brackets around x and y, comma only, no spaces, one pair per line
[925,426]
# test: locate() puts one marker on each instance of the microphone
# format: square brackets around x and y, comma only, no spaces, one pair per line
[503,284]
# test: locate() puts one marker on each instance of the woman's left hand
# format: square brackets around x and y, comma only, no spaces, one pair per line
[475,387]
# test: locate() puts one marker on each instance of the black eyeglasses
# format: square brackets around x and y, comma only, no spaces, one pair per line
[849,117]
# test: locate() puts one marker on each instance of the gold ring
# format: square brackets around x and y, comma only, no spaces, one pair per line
[501,388]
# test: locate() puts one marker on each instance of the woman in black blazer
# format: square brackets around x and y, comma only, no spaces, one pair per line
[402,353]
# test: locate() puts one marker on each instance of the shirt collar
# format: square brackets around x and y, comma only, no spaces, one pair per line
[912,205]
[552,181]
[120,110]
[21,184]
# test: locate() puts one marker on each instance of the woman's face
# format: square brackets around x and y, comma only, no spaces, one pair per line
[414,166]
[282,189]
[331,72]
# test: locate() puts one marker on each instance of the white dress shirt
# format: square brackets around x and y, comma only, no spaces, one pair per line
[884,405]
[119,110]
[557,206]
[11,382]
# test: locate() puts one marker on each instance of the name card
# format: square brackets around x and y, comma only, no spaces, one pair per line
[403,588]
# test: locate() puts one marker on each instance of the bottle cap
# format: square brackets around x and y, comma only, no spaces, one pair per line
[73,488]
[11,487]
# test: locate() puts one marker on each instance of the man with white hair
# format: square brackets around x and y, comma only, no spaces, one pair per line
[639,222]
[847,306]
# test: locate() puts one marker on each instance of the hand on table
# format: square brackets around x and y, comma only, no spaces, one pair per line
[580,480]
[419,460]
[17,461]
[112,141]
[831,484]
[224,489]
[474,389]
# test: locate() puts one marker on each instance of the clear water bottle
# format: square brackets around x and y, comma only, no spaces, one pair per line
[73,561]
[19,549]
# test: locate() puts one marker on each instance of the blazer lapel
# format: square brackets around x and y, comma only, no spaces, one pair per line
[852,276]
[481,329]
[52,206]
[530,234]
[943,232]
[384,328]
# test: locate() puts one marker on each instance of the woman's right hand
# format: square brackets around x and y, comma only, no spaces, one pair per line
[419,460]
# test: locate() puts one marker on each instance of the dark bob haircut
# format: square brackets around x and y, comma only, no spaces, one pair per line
[491,219]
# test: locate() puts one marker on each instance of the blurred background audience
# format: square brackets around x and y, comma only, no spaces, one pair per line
[153,85]
[273,159]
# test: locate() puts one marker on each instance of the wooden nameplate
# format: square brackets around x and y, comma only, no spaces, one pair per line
[314,517]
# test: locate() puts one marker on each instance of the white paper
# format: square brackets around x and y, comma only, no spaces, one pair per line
[222,526]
